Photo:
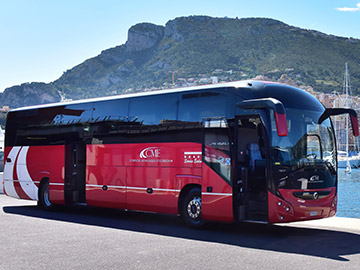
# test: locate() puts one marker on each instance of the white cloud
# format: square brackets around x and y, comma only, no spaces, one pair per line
[348,9]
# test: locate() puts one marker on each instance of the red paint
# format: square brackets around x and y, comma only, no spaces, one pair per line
[161,196]
[155,176]
[150,177]
[48,162]
[42,161]
[141,176]
[106,176]
[20,192]
[143,155]
[187,177]
[300,209]
[217,204]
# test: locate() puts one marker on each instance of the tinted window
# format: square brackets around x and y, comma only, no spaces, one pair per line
[197,106]
[153,110]
[46,125]
[217,151]
[72,114]
[111,110]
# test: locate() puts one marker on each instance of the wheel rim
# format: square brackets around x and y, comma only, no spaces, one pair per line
[46,197]
[194,208]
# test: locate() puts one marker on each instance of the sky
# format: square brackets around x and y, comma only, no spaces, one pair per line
[41,39]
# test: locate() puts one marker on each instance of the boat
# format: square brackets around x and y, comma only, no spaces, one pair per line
[344,159]
[2,138]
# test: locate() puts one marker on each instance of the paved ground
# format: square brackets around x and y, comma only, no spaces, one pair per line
[91,238]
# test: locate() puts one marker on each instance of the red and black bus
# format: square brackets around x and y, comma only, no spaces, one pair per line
[240,151]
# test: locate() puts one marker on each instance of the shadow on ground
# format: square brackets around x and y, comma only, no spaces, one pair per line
[287,239]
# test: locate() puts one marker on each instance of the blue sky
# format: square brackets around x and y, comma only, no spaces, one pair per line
[40,39]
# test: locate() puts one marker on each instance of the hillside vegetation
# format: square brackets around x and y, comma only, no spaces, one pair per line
[201,47]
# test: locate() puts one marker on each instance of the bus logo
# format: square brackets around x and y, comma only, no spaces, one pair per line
[150,152]
[315,179]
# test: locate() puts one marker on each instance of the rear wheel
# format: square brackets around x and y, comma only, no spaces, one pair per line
[191,208]
[44,198]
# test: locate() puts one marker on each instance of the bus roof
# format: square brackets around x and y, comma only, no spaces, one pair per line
[235,84]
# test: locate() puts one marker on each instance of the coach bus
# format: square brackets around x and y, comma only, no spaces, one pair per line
[240,151]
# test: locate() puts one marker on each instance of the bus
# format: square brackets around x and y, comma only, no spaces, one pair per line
[241,151]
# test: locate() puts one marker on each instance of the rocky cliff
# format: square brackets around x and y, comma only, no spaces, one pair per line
[143,36]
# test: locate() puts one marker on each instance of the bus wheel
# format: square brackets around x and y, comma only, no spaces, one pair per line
[44,199]
[191,209]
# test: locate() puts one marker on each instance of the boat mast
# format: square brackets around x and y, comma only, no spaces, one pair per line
[336,124]
[346,82]
[347,105]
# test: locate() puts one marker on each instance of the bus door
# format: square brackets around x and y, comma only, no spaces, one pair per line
[75,167]
[216,199]
[250,181]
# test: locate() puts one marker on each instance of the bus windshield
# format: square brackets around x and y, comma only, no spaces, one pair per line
[307,144]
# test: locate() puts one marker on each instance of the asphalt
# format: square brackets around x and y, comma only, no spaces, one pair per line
[95,238]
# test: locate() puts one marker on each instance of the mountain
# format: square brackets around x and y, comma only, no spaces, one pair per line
[196,48]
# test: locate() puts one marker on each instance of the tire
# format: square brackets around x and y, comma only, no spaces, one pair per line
[191,209]
[44,198]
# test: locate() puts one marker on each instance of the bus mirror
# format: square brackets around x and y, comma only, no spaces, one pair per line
[281,124]
[354,125]
[338,111]
[269,103]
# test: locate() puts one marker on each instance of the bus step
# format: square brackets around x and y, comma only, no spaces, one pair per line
[80,204]
[257,205]
[257,217]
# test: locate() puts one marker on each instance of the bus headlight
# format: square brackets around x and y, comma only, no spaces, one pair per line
[285,207]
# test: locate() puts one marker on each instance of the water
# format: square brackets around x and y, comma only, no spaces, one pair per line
[349,194]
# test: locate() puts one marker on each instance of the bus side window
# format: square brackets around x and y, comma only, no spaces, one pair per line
[153,110]
[217,152]
[73,114]
[111,110]
[197,106]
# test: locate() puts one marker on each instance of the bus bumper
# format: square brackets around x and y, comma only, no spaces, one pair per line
[293,207]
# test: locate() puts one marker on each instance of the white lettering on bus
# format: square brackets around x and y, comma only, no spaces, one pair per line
[150,152]
[192,157]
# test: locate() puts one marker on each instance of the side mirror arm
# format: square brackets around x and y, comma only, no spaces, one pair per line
[337,111]
[269,103]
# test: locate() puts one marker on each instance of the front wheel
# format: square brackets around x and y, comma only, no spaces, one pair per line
[44,198]
[191,208]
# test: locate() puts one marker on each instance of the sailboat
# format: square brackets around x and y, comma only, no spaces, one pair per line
[344,160]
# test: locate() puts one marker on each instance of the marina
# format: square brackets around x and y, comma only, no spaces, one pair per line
[347,145]
[349,194]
